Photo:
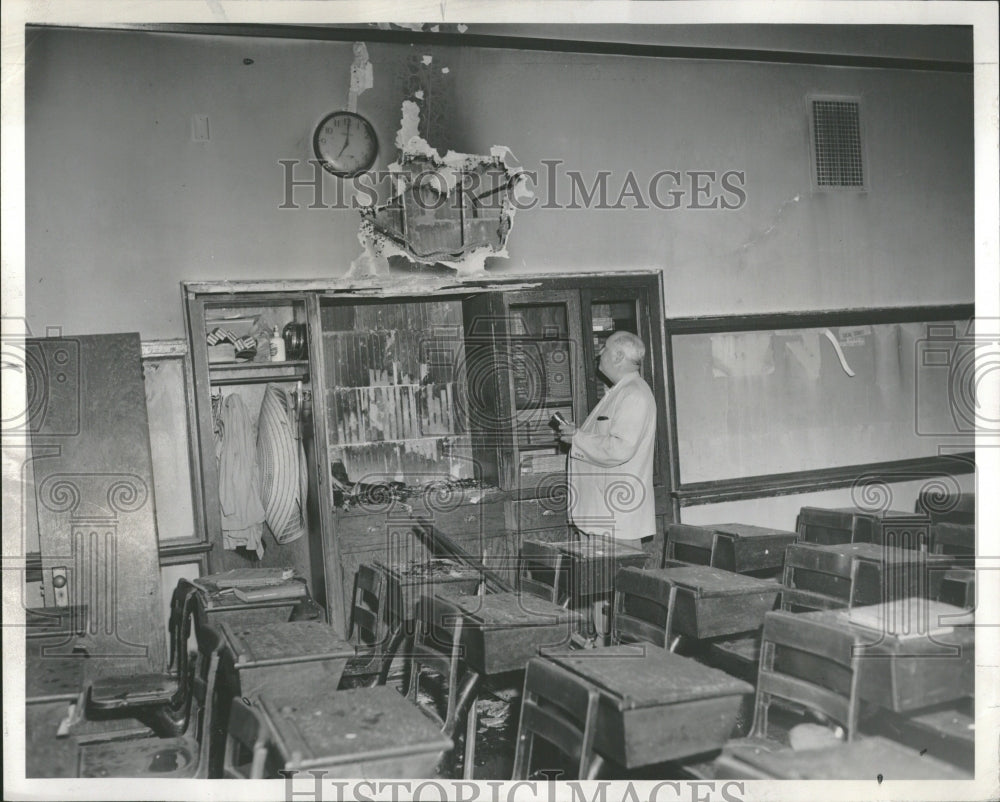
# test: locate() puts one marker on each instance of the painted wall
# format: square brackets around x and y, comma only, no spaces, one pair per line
[122,204]
[907,240]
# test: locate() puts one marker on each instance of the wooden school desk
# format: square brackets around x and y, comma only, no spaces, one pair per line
[503,630]
[360,733]
[655,705]
[709,602]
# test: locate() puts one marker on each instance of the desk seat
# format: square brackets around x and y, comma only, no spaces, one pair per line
[116,693]
[875,759]
[946,731]
[739,656]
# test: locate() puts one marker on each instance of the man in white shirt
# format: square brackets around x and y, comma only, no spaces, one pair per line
[610,462]
[610,465]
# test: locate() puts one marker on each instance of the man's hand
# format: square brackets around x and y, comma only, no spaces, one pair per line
[566,432]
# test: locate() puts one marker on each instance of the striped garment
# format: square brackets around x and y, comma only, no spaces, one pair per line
[280,455]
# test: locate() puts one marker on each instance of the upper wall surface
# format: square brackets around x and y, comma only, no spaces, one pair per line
[122,204]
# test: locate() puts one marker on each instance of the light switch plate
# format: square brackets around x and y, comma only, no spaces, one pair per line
[199,128]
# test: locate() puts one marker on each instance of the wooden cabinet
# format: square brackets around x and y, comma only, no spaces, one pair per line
[435,394]
[266,398]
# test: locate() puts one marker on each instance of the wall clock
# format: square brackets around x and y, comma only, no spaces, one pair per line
[345,144]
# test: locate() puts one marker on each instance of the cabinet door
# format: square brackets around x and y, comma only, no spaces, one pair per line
[634,309]
[544,362]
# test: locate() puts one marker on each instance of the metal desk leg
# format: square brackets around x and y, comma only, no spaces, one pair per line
[468,696]
[398,639]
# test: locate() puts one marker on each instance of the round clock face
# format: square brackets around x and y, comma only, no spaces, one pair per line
[345,144]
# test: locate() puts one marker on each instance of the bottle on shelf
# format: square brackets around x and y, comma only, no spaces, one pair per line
[277,344]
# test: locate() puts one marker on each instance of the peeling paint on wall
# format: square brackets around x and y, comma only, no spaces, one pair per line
[362,77]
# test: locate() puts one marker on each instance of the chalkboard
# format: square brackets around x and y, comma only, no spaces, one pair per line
[754,402]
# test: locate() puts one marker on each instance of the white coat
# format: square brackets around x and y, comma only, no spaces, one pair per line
[610,466]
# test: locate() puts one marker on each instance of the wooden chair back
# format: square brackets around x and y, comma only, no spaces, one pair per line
[368,623]
[958,587]
[161,701]
[643,610]
[180,601]
[437,645]
[814,579]
[953,538]
[689,544]
[247,743]
[542,572]
[959,508]
[813,666]
[182,756]
[825,526]
[561,708]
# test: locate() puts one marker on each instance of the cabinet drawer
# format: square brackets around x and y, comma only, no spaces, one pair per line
[467,519]
[532,514]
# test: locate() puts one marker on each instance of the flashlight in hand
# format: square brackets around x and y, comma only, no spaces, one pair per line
[557,420]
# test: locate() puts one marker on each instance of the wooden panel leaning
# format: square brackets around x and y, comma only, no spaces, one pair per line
[561,708]
[542,571]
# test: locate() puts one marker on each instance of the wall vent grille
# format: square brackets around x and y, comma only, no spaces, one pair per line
[837,148]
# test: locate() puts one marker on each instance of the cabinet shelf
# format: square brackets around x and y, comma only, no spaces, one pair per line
[256,372]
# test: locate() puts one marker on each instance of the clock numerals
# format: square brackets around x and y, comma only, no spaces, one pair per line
[345,144]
